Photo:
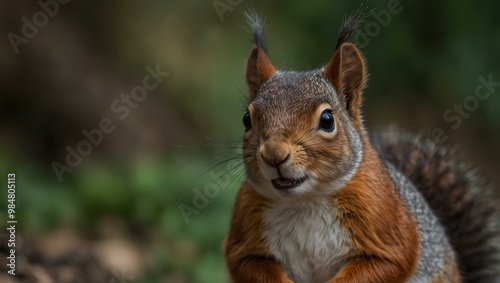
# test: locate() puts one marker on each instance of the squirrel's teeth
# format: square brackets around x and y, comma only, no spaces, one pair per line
[285,183]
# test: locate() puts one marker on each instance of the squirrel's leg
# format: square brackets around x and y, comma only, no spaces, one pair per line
[258,269]
[371,270]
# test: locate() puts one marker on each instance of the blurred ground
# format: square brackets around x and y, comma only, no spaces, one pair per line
[152,198]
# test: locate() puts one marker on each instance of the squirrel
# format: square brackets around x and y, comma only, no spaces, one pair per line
[325,201]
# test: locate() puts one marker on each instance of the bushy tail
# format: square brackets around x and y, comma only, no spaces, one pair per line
[459,199]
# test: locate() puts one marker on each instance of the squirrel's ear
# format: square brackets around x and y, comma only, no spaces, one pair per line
[346,71]
[259,70]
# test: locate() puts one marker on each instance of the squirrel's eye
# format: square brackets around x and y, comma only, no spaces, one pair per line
[326,122]
[247,122]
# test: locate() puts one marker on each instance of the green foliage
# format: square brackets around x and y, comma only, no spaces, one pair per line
[145,193]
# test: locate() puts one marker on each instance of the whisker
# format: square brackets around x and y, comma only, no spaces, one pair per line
[230,184]
[205,172]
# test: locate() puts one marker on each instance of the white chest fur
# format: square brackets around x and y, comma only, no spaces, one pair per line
[306,238]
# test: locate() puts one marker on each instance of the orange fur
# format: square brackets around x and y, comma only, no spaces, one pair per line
[383,231]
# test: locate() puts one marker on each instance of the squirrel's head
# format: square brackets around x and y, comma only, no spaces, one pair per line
[303,130]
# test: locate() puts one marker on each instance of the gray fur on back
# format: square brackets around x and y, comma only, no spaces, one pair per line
[434,246]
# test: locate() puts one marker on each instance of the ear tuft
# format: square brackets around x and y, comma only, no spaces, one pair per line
[257,29]
[350,28]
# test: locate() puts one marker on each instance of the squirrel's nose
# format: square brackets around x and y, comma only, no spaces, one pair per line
[274,157]
[275,160]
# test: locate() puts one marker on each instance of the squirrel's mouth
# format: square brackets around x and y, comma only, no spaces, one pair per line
[287,184]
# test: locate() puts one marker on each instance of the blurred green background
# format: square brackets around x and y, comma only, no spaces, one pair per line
[178,148]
